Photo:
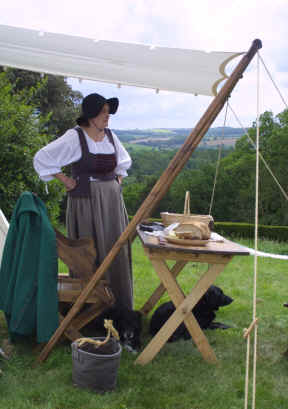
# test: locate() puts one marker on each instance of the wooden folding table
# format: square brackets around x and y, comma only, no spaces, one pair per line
[217,254]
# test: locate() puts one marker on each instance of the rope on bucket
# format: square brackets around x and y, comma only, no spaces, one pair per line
[108,324]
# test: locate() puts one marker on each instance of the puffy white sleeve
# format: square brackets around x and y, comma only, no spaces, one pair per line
[51,158]
[124,160]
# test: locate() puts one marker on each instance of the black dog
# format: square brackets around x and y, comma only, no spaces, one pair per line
[204,312]
[127,322]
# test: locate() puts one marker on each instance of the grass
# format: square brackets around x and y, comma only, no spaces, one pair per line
[138,147]
[178,378]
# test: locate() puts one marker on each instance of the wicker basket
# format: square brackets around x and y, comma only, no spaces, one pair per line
[186,217]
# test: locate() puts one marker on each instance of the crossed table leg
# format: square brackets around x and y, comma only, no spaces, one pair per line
[183,305]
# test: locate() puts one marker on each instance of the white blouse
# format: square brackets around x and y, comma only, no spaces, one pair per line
[66,150]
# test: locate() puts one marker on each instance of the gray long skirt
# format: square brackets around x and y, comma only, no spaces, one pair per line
[103,216]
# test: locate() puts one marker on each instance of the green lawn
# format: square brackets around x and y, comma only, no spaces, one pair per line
[178,377]
[138,147]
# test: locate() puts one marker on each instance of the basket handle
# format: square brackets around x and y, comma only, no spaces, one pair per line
[111,331]
[187,203]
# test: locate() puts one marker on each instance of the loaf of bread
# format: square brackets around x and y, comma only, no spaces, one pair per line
[193,231]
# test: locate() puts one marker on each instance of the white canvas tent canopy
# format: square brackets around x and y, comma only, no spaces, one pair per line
[160,68]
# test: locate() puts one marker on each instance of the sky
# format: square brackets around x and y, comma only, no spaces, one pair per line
[201,25]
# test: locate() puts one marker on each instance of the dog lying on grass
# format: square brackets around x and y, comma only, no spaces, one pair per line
[127,322]
[204,312]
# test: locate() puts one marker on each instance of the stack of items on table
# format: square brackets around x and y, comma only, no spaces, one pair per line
[187,228]
[192,230]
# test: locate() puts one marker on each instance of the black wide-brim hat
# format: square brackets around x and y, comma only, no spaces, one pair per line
[92,106]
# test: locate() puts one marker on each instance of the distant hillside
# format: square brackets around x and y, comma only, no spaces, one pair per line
[171,138]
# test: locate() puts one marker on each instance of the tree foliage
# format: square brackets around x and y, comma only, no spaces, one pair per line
[54,97]
[235,188]
[22,133]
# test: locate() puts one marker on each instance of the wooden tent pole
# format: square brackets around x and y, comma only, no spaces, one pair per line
[159,190]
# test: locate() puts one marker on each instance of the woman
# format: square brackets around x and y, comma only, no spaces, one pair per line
[95,205]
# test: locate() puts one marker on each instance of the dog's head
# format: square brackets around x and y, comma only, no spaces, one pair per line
[215,298]
[129,326]
[204,310]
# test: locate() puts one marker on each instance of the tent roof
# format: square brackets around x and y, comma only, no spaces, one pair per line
[160,68]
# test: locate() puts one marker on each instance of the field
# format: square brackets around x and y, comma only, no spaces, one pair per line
[177,378]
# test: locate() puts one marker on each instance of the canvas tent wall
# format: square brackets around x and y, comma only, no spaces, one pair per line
[4,226]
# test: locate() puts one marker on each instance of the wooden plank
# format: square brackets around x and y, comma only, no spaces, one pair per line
[71,332]
[65,278]
[83,318]
[178,316]
[160,290]
[226,247]
[159,190]
[72,295]
[69,290]
[198,258]
[177,296]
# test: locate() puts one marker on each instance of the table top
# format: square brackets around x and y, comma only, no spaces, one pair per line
[226,247]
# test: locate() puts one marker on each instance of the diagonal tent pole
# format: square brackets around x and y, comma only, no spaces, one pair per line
[159,190]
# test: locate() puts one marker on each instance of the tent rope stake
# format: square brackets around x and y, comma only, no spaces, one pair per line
[159,190]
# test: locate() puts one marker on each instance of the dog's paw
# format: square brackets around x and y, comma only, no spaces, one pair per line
[129,348]
[218,325]
[3,354]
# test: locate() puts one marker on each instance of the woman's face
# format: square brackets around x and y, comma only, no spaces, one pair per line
[101,120]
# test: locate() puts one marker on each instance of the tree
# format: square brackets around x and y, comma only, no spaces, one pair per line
[54,97]
[22,133]
[236,182]
[50,97]
[61,102]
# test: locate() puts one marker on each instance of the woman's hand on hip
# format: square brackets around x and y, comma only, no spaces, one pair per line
[68,182]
